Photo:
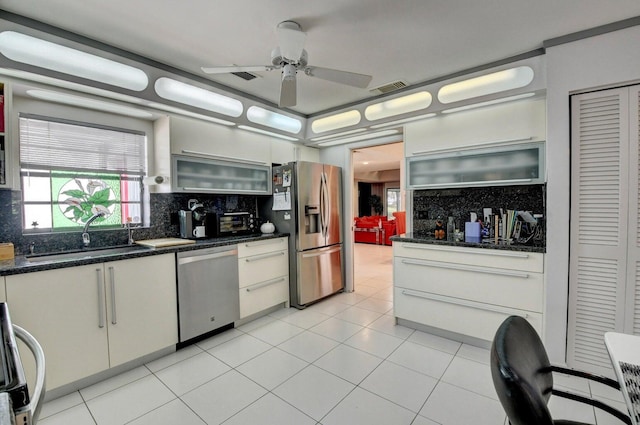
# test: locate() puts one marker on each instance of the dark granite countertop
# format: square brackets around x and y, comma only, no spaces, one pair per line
[22,264]
[429,239]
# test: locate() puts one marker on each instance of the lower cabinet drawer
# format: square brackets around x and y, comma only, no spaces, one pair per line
[456,315]
[508,288]
[259,268]
[262,295]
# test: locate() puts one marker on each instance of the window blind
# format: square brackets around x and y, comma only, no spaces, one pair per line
[56,145]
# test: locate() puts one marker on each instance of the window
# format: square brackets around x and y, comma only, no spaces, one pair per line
[393,201]
[71,171]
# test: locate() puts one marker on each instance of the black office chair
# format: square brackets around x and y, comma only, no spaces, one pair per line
[522,377]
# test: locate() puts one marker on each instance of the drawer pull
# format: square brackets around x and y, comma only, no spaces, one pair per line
[476,251]
[264,256]
[267,242]
[265,283]
[450,266]
[464,303]
[100,298]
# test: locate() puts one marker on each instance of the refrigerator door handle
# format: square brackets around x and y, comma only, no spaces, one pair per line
[323,224]
[325,206]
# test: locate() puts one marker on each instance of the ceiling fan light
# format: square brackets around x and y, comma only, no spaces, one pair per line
[291,40]
[495,82]
[55,57]
[334,122]
[262,116]
[187,94]
[399,105]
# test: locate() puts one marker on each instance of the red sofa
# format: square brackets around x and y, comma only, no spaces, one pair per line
[363,234]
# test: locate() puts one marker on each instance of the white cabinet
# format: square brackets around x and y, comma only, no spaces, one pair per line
[193,174]
[509,164]
[89,318]
[263,271]
[141,306]
[176,135]
[487,126]
[6,157]
[467,291]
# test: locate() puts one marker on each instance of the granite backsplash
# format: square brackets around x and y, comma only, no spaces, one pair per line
[163,221]
[433,204]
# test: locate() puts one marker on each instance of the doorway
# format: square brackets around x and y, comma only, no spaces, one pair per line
[377,177]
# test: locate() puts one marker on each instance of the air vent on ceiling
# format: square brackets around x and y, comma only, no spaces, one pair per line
[389,87]
[245,75]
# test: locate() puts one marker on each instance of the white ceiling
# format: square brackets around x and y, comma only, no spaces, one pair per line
[378,158]
[411,40]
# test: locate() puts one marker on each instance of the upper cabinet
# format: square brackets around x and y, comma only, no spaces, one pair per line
[202,174]
[506,123]
[6,176]
[500,165]
[207,157]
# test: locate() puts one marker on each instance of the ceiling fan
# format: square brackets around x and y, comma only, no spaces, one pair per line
[291,57]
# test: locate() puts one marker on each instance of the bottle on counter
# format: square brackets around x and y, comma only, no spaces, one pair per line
[451,228]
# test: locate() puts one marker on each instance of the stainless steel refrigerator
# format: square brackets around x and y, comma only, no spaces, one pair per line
[307,203]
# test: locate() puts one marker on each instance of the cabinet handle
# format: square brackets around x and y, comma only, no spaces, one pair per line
[100,298]
[460,267]
[267,242]
[112,283]
[226,158]
[465,184]
[202,189]
[490,252]
[262,257]
[465,303]
[265,283]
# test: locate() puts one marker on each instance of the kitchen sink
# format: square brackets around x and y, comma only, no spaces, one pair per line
[85,253]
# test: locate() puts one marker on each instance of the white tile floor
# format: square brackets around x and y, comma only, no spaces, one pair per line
[340,362]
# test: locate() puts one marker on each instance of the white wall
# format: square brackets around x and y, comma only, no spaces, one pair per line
[604,60]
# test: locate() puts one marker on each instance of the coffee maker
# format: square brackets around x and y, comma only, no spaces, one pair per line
[193,221]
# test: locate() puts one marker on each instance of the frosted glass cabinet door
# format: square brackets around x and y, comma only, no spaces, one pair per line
[504,165]
[192,174]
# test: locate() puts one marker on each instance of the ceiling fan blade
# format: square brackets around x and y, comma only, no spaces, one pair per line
[341,77]
[290,40]
[228,69]
[288,93]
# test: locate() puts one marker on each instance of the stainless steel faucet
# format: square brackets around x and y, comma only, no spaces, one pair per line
[85,233]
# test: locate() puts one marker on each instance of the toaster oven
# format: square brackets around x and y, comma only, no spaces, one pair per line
[235,223]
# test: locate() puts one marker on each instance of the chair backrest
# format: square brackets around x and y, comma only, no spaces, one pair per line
[401,225]
[521,373]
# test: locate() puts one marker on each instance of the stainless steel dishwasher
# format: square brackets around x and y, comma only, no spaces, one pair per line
[208,295]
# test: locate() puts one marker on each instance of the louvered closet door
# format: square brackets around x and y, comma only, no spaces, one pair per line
[632,316]
[599,231]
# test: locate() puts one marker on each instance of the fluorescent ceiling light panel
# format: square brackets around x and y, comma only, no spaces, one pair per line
[486,84]
[396,122]
[267,133]
[44,54]
[399,105]
[489,102]
[84,102]
[187,94]
[367,136]
[334,122]
[262,116]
